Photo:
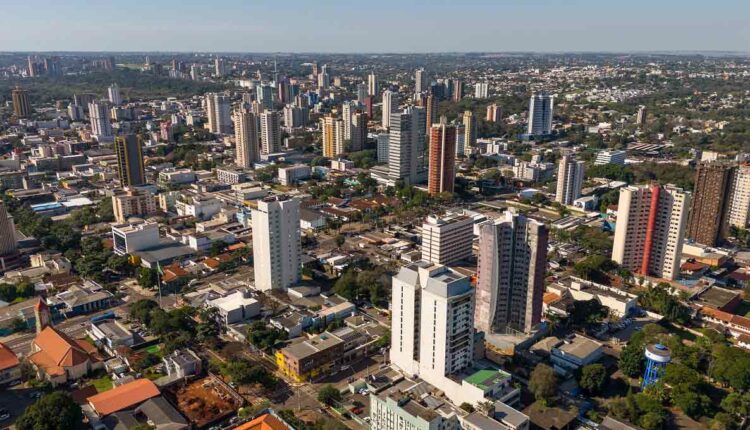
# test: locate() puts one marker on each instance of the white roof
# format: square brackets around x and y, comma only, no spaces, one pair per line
[232,301]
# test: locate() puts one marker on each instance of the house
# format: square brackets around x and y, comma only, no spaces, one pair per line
[183,363]
[10,369]
[110,334]
[81,299]
[60,359]
[293,322]
[236,307]
[575,352]
[155,412]
[311,220]
[123,397]
[268,420]
[18,316]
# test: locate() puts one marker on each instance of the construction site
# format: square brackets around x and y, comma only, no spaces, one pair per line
[205,401]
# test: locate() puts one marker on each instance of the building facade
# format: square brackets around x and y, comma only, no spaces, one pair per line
[710,203]
[441,176]
[447,240]
[540,114]
[130,160]
[246,140]
[276,243]
[218,113]
[570,175]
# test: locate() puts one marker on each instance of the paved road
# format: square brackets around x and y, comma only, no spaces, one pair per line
[15,399]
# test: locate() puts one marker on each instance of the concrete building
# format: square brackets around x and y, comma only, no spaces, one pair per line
[534,172]
[128,238]
[481,90]
[710,202]
[432,329]
[540,114]
[570,175]
[447,240]
[21,103]
[389,107]
[358,132]
[306,360]
[372,84]
[8,237]
[441,176]
[130,160]
[100,125]
[113,93]
[218,113]
[738,213]
[236,307]
[383,140]
[406,146]
[573,353]
[333,136]
[651,224]
[642,116]
[247,144]
[133,202]
[470,130]
[421,83]
[293,174]
[510,274]
[270,132]
[494,113]
[610,157]
[276,243]
[10,366]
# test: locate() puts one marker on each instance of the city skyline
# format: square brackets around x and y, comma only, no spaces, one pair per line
[339,27]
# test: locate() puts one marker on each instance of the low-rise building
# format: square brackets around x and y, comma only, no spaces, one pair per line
[293,174]
[309,359]
[133,202]
[110,334]
[10,368]
[574,353]
[620,303]
[236,307]
[60,359]
[128,238]
[183,363]
[122,397]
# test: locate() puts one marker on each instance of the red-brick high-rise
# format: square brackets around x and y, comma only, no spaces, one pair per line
[442,168]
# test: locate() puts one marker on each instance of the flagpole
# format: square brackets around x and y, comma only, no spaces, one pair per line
[158,281]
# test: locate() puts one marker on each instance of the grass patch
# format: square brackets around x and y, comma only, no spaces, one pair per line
[102,384]
[682,333]
[154,349]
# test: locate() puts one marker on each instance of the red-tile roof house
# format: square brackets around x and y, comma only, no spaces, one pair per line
[265,422]
[125,396]
[59,359]
[9,365]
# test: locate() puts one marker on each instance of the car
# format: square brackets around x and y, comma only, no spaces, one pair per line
[35,394]
[4,414]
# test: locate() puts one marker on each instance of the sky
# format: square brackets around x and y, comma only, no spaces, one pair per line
[375,26]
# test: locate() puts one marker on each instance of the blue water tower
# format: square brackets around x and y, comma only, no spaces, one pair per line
[657,358]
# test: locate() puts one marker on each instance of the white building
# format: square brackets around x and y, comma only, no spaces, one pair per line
[406,146]
[129,238]
[651,224]
[293,174]
[540,114]
[383,139]
[534,172]
[390,106]
[270,132]
[481,90]
[100,125]
[572,354]
[236,307]
[113,93]
[173,176]
[198,206]
[447,240]
[372,85]
[217,110]
[738,214]
[569,180]
[247,149]
[276,243]
[610,157]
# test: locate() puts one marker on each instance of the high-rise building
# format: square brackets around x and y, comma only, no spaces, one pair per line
[369,102]
[8,244]
[362,92]
[130,160]
[406,146]
[470,129]
[431,111]
[270,132]
[324,80]
[220,67]
[710,202]
[510,271]
[21,104]
[569,180]
[383,140]
[447,240]
[372,85]
[333,136]
[75,112]
[460,140]
[133,202]
[540,114]
[359,132]
[641,116]
[246,140]
[98,115]
[651,223]
[481,90]
[265,95]
[441,177]
[420,81]
[494,113]
[347,111]
[113,92]
[218,112]
[194,72]
[277,248]
[610,157]
[458,90]
[738,214]
[390,106]
[432,329]
[295,116]
[52,66]
[83,99]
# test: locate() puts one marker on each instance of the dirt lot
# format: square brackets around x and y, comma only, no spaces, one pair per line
[205,401]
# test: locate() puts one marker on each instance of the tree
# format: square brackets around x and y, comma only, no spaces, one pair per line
[329,395]
[467,407]
[723,421]
[693,404]
[340,240]
[147,278]
[141,310]
[543,383]
[243,371]
[593,377]
[210,326]
[586,312]
[55,411]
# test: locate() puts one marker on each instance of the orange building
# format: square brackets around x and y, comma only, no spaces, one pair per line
[442,170]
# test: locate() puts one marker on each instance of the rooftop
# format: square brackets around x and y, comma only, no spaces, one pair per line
[579,346]
[123,397]
[486,378]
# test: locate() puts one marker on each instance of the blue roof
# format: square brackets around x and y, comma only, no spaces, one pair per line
[45,206]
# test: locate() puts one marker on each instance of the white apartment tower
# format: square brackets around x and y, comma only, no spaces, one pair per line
[270,132]
[390,106]
[372,85]
[510,274]
[540,114]
[447,240]
[276,243]
[738,213]
[651,224]
[432,331]
[218,112]
[420,81]
[569,180]
[481,90]
[246,138]
[113,92]
[100,125]
[406,146]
